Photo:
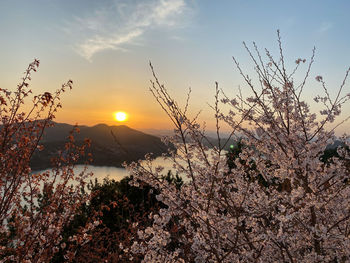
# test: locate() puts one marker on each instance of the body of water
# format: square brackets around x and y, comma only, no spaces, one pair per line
[116,173]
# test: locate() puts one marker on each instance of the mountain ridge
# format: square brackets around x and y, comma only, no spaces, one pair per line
[110,145]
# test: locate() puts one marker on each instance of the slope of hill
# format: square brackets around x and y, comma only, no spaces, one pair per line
[110,145]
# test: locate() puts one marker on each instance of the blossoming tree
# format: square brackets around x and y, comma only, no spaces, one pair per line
[280,203]
[35,207]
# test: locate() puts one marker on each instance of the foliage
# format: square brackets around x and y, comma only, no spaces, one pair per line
[122,210]
[302,212]
[34,207]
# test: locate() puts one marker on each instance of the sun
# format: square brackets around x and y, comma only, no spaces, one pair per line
[120,116]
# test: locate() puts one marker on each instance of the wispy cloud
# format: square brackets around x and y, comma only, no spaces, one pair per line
[326,26]
[91,46]
[122,22]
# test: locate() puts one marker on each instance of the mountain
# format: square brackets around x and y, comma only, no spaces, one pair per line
[159,132]
[210,141]
[110,145]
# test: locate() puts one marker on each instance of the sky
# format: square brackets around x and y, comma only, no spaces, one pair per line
[105,47]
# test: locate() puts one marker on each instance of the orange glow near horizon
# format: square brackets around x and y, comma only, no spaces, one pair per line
[120,116]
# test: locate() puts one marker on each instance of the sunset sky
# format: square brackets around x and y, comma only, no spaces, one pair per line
[105,46]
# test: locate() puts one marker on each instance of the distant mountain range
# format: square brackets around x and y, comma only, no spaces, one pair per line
[110,145]
[210,141]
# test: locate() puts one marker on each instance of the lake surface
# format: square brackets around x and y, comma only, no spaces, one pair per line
[117,173]
[101,172]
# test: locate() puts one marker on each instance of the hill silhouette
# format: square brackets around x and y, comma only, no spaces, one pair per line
[110,145]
